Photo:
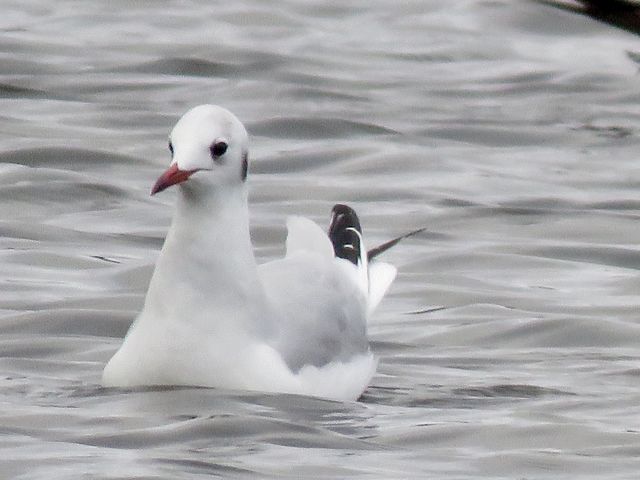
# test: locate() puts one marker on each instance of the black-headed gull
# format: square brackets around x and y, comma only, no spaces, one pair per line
[214,317]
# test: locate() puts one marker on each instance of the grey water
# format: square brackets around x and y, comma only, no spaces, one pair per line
[509,345]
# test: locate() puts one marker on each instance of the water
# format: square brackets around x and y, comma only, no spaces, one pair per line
[508,346]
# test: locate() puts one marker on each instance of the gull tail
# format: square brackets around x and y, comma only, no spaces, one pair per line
[345,234]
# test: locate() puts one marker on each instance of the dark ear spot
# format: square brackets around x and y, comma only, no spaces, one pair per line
[245,166]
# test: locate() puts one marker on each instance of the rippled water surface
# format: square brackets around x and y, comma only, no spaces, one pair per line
[509,344]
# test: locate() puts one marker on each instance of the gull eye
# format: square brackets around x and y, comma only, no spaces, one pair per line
[171,148]
[218,148]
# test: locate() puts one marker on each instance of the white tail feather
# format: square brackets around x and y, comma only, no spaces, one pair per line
[381,275]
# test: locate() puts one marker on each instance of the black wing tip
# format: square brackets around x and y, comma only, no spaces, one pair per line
[345,233]
[344,216]
[374,252]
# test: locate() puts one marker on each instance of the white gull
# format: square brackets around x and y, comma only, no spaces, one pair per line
[213,317]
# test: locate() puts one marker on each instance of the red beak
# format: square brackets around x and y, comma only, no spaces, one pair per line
[172,176]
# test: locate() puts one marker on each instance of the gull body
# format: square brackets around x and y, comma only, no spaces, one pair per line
[213,317]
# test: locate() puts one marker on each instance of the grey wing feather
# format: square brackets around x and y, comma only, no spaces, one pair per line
[321,313]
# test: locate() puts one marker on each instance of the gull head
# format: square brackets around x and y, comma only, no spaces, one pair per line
[208,146]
